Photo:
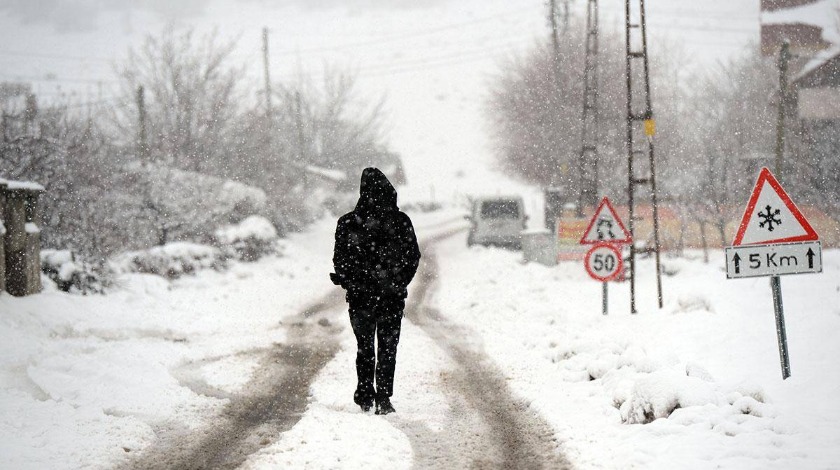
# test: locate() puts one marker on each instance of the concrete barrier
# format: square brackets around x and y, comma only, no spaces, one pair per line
[539,246]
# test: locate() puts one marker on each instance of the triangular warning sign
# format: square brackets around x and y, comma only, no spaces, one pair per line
[605,226]
[771,216]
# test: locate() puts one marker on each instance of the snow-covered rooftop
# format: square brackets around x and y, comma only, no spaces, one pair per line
[29,185]
[334,175]
[822,13]
[817,61]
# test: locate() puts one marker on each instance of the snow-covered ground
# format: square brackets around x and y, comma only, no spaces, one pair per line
[711,353]
[89,381]
[86,380]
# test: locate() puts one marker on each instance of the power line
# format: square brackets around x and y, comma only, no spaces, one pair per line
[53,56]
[119,102]
[389,39]
[55,79]
[393,68]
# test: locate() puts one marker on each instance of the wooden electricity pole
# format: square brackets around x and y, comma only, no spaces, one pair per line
[555,32]
[142,143]
[268,109]
[302,153]
[784,59]
[588,158]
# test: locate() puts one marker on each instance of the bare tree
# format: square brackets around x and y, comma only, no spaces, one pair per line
[191,97]
[534,110]
[729,126]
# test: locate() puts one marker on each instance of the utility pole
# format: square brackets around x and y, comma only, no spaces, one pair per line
[268,109]
[566,16]
[588,158]
[142,144]
[640,124]
[555,33]
[301,142]
[784,59]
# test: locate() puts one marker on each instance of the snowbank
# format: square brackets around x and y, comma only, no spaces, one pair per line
[27,185]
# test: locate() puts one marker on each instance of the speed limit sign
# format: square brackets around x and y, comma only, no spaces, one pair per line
[603,262]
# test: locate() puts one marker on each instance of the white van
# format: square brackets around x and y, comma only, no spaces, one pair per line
[497,220]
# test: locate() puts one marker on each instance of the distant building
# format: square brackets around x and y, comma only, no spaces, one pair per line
[817,93]
[811,28]
[809,25]
[818,87]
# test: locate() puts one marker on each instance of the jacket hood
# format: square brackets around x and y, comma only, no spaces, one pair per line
[376,193]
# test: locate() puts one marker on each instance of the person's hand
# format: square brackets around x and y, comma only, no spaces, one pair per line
[390,289]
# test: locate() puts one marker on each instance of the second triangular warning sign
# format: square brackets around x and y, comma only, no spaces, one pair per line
[605,226]
[771,216]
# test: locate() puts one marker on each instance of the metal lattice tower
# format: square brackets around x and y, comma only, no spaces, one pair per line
[641,164]
[588,158]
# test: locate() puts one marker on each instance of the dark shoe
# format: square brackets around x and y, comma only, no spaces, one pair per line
[364,401]
[384,407]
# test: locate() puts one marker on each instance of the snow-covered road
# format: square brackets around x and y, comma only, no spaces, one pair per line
[486,426]
[512,435]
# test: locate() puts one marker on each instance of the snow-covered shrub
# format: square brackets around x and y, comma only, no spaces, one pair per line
[248,240]
[241,200]
[70,275]
[658,394]
[693,303]
[172,260]
[176,205]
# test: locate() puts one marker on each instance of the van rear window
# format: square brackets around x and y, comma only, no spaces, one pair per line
[499,210]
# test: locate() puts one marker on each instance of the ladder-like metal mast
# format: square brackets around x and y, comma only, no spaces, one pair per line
[588,158]
[641,164]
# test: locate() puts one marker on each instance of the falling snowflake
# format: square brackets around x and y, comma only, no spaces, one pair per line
[770,218]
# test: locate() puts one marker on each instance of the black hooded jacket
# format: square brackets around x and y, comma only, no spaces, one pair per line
[376,250]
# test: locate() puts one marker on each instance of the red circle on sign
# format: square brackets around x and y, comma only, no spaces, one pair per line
[603,262]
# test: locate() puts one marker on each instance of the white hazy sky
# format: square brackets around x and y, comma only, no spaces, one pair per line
[431,59]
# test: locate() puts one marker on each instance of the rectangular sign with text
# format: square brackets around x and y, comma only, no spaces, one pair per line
[773,260]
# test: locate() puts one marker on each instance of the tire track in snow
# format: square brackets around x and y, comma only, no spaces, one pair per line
[516,437]
[271,403]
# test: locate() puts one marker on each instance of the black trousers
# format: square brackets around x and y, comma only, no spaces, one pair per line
[380,317]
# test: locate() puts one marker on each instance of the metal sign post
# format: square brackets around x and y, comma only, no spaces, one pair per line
[604,263]
[604,298]
[784,358]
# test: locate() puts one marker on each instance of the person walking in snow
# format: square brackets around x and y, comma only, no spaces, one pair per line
[375,258]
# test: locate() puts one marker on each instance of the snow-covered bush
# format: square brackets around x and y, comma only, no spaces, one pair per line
[177,205]
[658,394]
[248,240]
[241,200]
[172,260]
[70,275]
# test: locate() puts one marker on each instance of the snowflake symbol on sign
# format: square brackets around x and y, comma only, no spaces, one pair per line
[769,218]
